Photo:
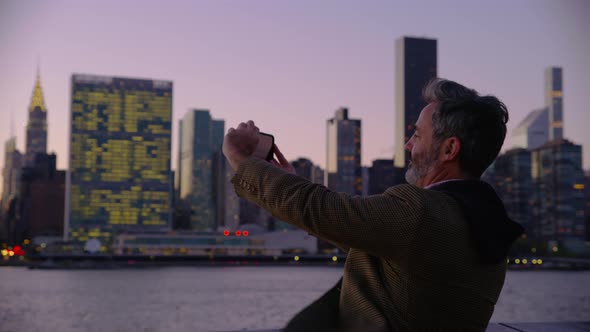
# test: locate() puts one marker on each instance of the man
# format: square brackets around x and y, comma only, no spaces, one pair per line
[428,255]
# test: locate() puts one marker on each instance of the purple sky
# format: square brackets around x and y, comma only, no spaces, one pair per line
[289,65]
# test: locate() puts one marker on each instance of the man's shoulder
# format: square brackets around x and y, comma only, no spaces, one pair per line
[419,198]
[411,191]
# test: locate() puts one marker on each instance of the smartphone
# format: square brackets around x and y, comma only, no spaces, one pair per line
[265,148]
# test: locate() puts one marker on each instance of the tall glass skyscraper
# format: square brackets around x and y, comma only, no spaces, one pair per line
[554,101]
[119,166]
[343,165]
[37,124]
[558,207]
[415,66]
[201,169]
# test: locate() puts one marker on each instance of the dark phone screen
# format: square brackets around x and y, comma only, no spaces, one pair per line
[265,147]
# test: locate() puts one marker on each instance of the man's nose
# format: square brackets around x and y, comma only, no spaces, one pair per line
[408,145]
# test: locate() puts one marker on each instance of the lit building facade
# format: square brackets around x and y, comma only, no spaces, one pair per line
[201,169]
[415,66]
[119,176]
[554,101]
[343,165]
[558,195]
[37,124]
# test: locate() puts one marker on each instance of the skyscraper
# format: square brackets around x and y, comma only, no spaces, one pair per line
[382,175]
[119,166]
[415,66]
[533,131]
[558,198]
[41,196]
[11,173]
[231,211]
[513,183]
[343,166]
[37,124]
[587,206]
[303,167]
[554,101]
[201,169]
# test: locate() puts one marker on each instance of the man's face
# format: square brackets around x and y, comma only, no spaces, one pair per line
[423,152]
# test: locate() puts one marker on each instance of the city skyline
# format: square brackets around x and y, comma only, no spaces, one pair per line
[290,79]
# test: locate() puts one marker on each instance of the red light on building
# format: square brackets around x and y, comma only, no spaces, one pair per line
[245,233]
[238,233]
[226,233]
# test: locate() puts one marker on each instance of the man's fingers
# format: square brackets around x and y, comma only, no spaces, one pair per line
[279,154]
[252,125]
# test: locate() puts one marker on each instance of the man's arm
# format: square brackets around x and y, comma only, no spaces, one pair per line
[382,225]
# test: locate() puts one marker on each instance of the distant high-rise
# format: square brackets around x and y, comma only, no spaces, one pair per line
[41,196]
[305,168]
[554,101]
[317,174]
[201,169]
[513,183]
[415,66]
[587,206]
[119,176]
[382,175]
[533,131]
[366,177]
[231,218]
[11,173]
[37,124]
[343,167]
[558,195]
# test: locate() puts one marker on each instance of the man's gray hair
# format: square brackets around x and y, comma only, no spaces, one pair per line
[479,122]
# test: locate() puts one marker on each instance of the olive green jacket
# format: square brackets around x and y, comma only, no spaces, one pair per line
[411,264]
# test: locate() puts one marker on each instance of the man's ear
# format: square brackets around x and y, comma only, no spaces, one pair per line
[450,148]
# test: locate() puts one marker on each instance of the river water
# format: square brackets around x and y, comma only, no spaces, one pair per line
[230,298]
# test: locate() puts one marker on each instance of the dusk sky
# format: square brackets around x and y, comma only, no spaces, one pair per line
[288,65]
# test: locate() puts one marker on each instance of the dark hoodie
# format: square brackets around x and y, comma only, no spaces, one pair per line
[492,231]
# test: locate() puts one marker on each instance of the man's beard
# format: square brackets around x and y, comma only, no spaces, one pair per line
[420,167]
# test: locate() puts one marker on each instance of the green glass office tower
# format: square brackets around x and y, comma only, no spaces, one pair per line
[119,167]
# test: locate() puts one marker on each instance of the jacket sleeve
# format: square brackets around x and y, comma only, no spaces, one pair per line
[382,225]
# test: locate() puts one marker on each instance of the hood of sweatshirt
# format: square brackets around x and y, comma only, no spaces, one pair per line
[493,232]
